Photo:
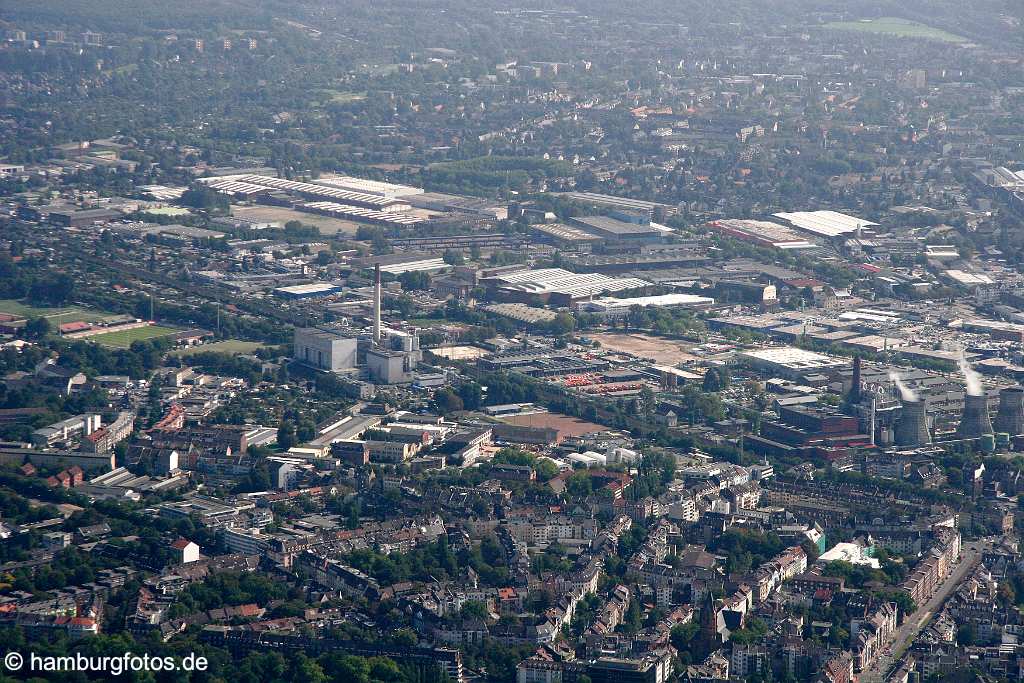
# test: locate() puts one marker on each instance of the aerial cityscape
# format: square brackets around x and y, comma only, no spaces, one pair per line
[438,341]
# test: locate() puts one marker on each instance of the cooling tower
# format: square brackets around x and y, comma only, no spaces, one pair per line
[975,421]
[912,426]
[1010,418]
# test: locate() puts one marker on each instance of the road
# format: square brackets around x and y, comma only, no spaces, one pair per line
[970,556]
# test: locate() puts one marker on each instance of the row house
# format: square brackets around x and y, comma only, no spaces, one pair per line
[869,636]
[929,573]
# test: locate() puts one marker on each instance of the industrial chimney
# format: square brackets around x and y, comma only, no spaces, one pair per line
[856,382]
[376,305]
[912,427]
[1010,418]
[975,421]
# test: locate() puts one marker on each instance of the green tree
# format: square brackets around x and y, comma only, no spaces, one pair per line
[37,328]
[286,434]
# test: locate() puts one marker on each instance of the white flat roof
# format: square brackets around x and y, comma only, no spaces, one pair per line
[965,278]
[792,357]
[565,282]
[825,223]
[308,289]
[658,300]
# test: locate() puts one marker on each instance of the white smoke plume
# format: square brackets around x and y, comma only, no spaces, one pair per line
[971,377]
[906,392]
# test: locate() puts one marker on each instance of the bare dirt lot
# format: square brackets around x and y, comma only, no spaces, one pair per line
[459,352]
[657,349]
[566,425]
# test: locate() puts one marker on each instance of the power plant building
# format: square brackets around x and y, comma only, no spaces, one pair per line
[325,350]
[394,359]
[975,421]
[1010,418]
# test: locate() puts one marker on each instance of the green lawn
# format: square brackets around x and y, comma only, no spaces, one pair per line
[122,339]
[342,96]
[899,28]
[226,346]
[21,309]
[56,315]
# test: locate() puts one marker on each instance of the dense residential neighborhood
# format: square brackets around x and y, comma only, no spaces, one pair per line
[550,343]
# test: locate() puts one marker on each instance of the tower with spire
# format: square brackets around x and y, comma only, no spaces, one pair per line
[709,637]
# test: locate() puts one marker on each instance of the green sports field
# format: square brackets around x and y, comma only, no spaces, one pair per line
[898,28]
[122,339]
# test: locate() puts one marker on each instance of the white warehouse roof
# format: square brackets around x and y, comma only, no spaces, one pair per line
[561,281]
[825,223]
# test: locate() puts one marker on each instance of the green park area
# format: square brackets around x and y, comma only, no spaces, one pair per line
[898,28]
[56,315]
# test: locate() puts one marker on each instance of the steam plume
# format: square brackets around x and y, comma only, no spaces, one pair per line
[906,393]
[971,377]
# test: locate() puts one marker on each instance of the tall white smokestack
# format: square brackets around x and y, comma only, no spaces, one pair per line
[376,305]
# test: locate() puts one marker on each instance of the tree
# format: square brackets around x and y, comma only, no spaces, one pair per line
[471,394]
[562,324]
[682,634]
[716,379]
[473,609]
[966,635]
[52,289]
[447,401]
[414,279]
[37,328]
[454,257]
[202,197]
[286,434]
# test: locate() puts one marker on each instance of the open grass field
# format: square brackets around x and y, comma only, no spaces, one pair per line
[24,310]
[234,346]
[56,315]
[327,224]
[342,97]
[898,28]
[122,339]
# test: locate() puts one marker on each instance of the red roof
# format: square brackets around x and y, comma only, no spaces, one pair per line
[181,544]
[803,282]
[249,610]
[76,326]
[97,435]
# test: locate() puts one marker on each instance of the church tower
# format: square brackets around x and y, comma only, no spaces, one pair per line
[709,636]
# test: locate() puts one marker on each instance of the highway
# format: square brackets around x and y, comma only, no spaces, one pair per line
[970,556]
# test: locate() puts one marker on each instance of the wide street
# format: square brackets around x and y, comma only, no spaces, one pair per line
[913,624]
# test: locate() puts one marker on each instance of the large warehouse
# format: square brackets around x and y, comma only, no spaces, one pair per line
[248,184]
[557,286]
[308,291]
[764,233]
[828,224]
[615,230]
[612,307]
[790,362]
